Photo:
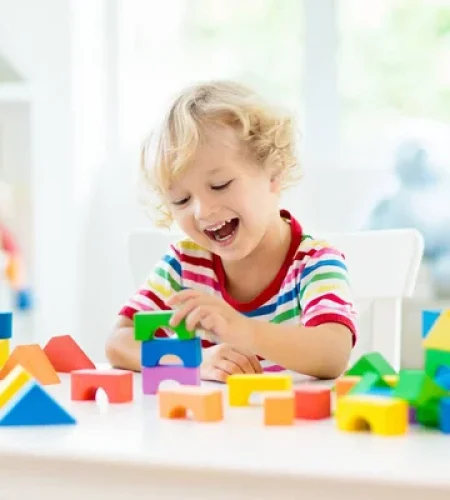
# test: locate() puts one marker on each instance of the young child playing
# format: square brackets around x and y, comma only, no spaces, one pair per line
[247,277]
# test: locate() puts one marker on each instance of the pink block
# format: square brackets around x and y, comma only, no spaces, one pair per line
[153,376]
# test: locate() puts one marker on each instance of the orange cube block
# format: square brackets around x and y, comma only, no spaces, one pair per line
[345,383]
[312,402]
[34,360]
[117,384]
[66,355]
[206,404]
[279,408]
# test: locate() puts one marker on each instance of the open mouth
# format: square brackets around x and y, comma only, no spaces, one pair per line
[223,231]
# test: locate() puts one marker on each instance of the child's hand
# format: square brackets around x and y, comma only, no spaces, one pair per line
[223,360]
[212,314]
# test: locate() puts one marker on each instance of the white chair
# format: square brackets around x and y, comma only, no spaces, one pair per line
[383,267]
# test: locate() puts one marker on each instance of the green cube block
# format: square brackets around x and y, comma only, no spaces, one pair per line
[147,322]
[435,359]
[371,362]
[428,414]
[417,388]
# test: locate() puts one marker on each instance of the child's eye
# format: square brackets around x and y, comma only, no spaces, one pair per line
[221,186]
[179,203]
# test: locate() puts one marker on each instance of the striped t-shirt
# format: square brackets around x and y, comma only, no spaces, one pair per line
[311,287]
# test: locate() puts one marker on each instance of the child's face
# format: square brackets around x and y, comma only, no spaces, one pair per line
[224,201]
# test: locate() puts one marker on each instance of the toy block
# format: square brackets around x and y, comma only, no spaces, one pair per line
[205,403]
[428,320]
[439,335]
[442,377]
[428,414]
[371,362]
[5,325]
[147,322]
[152,377]
[241,386]
[368,382]
[118,385]
[412,417]
[32,405]
[66,355]
[345,383]
[12,383]
[279,408]
[4,351]
[189,351]
[34,360]
[444,415]
[417,388]
[383,416]
[435,359]
[312,402]
[391,380]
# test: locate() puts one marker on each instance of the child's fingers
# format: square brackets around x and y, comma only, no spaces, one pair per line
[181,296]
[241,360]
[195,317]
[180,313]
[227,366]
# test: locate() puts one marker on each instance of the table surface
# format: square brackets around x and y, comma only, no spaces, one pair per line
[133,434]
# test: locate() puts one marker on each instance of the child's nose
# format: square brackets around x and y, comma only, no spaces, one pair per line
[203,209]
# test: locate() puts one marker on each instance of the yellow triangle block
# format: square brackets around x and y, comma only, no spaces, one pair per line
[12,383]
[439,336]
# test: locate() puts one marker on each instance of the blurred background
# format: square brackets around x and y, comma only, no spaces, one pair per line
[81,83]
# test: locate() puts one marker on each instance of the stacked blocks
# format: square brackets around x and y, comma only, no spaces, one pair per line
[183,344]
[24,402]
[5,336]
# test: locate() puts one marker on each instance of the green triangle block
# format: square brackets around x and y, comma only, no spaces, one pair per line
[417,388]
[371,362]
[370,380]
[435,359]
[147,322]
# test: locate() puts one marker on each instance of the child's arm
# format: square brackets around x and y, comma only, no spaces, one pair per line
[122,350]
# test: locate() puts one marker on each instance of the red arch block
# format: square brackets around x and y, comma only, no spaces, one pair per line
[118,385]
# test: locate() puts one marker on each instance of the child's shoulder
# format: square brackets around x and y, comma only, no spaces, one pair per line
[185,247]
[311,247]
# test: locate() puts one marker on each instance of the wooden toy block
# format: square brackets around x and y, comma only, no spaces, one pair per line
[435,359]
[442,377]
[383,416]
[241,386]
[66,355]
[371,362]
[12,383]
[117,384]
[189,351]
[444,415]
[369,382]
[146,323]
[4,351]
[439,335]
[428,320]
[206,404]
[152,377]
[33,359]
[279,408]
[312,402]
[32,405]
[417,388]
[345,383]
[5,325]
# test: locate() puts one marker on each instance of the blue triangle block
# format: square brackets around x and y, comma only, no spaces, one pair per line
[428,320]
[33,406]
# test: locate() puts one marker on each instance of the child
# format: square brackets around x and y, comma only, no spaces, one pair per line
[246,276]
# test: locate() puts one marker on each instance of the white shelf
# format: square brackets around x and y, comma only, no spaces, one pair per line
[14,92]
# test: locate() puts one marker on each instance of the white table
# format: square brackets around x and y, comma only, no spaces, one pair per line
[127,452]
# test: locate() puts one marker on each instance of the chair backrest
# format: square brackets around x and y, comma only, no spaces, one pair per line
[383,267]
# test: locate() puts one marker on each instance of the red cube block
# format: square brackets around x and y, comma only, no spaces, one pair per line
[312,402]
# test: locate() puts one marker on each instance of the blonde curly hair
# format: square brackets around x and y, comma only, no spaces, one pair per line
[171,147]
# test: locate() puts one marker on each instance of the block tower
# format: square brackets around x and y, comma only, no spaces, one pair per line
[183,344]
[5,336]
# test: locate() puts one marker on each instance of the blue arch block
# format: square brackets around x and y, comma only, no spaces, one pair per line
[5,325]
[428,320]
[189,351]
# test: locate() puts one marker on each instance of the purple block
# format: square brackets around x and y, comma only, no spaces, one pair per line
[153,376]
[273,368]
[412,415]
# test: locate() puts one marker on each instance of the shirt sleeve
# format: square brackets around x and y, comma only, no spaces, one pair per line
[325,291]
[162,282]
